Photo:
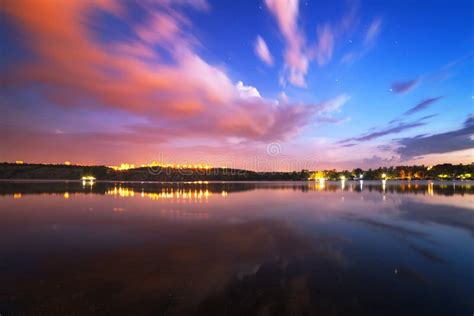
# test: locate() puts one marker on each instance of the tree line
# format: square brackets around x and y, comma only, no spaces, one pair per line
[440,172]
[72,172]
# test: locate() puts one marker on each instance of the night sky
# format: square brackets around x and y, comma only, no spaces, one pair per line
[275,84]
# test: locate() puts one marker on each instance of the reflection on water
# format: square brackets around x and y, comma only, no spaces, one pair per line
[166,193]
[204,189]
[220,248]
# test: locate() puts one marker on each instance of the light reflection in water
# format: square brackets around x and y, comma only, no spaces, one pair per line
[88,183]
[205,190]
[430,189]
[322,182]
[184,215]
[165,194]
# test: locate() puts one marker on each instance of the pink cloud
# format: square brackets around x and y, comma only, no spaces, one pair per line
[286,13]
[325,45]
[185,98]
[262,51]
[185,101]
[163,28]
[298,52]
[134,49]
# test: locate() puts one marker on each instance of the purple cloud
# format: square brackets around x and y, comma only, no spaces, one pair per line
[390,129]
[422,105]
[438,143]
[404,86]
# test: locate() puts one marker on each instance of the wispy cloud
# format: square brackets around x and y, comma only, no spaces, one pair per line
[373,31]
[262,51]
[439,74]
[368,42]
[325,45]
[286,13]
[390,129]
[299,52]
[335,104]
[333,120]
[422,105]
[329,34]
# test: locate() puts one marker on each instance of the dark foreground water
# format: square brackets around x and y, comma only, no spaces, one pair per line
[237,248]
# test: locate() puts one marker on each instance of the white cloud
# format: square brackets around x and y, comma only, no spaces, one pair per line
[335,104]
[246,92]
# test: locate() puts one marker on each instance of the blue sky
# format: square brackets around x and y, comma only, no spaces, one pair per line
[327,83]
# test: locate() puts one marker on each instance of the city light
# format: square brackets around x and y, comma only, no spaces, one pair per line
[123,166]
[88,178]
[154,164]
[179,166]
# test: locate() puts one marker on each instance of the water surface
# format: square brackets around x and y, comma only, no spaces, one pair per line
[265,248]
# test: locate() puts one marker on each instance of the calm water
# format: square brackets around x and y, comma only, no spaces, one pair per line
[237,248]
